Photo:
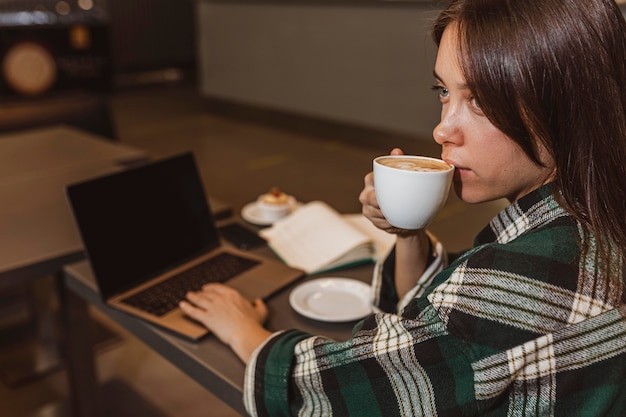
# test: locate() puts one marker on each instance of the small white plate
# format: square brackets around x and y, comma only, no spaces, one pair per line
[332,299]
[251,213]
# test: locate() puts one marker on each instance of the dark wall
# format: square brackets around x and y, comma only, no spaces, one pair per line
[152,34]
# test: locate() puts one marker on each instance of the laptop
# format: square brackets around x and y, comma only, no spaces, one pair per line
[150,237]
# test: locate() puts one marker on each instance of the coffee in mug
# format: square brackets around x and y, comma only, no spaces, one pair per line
[411,189]
[408,163]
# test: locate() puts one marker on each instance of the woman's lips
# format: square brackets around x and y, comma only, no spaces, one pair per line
[461,173]
[459,170]
[451,162]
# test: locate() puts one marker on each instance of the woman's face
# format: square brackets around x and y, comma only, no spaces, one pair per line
[489,165]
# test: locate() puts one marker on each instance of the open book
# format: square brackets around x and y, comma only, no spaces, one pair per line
[316,238]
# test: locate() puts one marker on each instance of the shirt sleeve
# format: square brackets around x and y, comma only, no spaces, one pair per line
[384,294]
[391,367]
[268,372]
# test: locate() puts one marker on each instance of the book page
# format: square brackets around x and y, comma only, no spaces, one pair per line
[383,241]
[315,237]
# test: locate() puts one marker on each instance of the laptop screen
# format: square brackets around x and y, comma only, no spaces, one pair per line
[141,222]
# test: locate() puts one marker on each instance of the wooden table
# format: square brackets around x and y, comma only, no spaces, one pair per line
[38,235]
[208,361]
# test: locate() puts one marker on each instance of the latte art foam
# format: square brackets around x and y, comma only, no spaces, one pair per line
[411,164]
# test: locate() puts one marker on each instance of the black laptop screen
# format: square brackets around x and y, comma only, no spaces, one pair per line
[143,221]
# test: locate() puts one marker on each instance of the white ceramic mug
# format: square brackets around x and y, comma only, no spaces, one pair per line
[411,189]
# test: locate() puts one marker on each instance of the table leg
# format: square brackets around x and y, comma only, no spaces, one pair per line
[47,351]
[42,355]
[79,358]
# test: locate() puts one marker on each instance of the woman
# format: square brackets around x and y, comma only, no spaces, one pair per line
[530,321]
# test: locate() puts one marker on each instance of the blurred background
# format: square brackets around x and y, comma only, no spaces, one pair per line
[366,63]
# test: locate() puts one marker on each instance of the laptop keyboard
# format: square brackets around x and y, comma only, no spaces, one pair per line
[165,296]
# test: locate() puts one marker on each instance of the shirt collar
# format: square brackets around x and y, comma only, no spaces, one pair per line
[534,210]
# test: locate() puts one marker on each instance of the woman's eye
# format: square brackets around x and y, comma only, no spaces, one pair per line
[441,91]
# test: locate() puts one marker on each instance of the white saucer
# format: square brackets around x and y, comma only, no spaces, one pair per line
[251,213]
[332,299]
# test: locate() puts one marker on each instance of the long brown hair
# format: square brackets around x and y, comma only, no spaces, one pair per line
[554,72]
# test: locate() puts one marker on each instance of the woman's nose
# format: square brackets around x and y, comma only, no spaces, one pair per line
[446,130]
[439,134]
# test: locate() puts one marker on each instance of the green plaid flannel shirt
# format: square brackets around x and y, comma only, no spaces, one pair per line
[520,325]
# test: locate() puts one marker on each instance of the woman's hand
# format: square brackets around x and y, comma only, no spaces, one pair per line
[412,246]
[229,316]
[371,209]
